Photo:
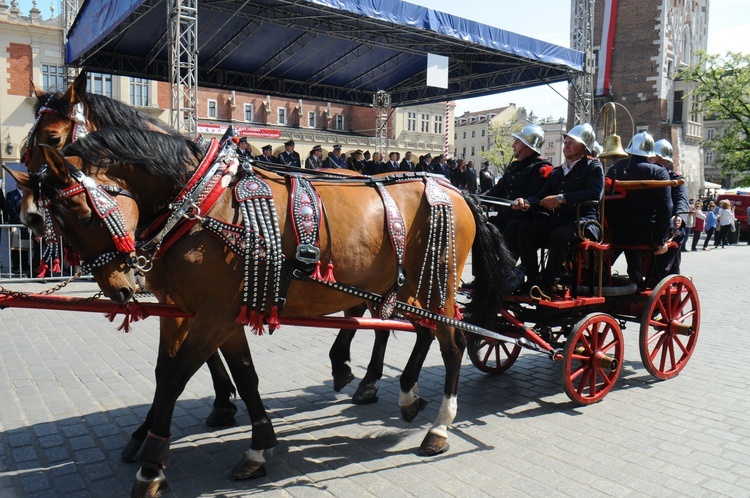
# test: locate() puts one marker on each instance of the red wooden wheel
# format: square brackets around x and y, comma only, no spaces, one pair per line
[592,358]
[669,327]
[491,355]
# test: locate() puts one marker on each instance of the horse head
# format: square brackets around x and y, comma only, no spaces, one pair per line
[80,208]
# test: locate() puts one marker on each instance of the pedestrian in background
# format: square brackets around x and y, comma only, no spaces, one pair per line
[710,224]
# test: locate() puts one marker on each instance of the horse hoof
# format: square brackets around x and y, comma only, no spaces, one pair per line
[248,469]
[222,416]
[149,488]
[433,444]
[366,394]
[131,450]
[341,381]
[409,412]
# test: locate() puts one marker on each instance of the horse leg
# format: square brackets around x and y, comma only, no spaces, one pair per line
[222,414]
[340,353]
[452,347]
[409,400]
[237,353]
[153,455]
[367,391]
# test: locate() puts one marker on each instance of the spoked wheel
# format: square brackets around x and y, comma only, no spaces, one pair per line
[491,355]
[669,327]
[592,358]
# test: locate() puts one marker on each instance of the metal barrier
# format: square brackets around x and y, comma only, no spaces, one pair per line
[21,253]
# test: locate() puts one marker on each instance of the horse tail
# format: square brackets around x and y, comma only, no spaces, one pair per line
[493,267]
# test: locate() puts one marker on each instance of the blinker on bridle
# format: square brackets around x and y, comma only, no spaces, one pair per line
[77,117]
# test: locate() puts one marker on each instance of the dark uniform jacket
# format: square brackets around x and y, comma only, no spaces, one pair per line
[290,159]
[585,182]
[486,181]
[407,165]
[680,201]
[334,162]
[522,178]
[643,216]
[269,159]
[313,162]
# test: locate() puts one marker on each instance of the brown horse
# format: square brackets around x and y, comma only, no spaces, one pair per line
[205,277]
[60,118]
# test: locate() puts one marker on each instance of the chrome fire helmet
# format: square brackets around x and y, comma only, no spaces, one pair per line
[663,149]
[531,136]
[583,134]
[642,144]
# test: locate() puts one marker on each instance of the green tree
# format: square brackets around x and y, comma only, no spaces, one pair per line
[501,152]
[722,87]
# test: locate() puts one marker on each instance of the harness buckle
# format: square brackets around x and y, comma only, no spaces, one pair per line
[307,253]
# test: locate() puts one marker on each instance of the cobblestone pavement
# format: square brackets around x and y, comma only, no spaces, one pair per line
[72,388]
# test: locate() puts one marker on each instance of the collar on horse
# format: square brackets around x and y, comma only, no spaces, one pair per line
[77,131]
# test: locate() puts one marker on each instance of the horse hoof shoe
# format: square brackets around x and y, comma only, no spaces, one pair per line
[249,469]
[143,488]
[222,417]
[433,444]
[130,450]
[341,381]
[366,395]
[409,412]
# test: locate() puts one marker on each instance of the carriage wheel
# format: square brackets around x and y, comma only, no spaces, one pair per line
[592,358]
[491,355]
[669,327]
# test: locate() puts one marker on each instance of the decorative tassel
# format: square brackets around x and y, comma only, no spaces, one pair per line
[124,243]
[328,278]
[256,323]
[427,323]
[41,270]
[72,257]
[242,317]
[316,274]
[139,312]
[125,322]
[441,311]
[273,320]
[56,266]
[457,312]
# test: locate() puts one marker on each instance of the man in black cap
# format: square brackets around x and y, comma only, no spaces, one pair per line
[243,149]
[424,163]
[289,157]
[267,156]
[314,160]
[486,180]
[335,160]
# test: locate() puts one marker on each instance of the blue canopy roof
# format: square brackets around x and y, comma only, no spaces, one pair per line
[330,50]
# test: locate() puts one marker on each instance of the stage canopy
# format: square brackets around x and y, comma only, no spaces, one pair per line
[327,50]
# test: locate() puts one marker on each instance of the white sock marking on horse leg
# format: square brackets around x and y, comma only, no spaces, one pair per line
[255,455]
[139,476]
[447,413]
[407,398]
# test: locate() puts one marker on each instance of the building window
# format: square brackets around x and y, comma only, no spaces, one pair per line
[438,128]
[455,136]
[473,133]
[677,113]
[281,115]
[249,113]
[483,130]
[473,150]
[53,78]
[311,119]
[709,158]
[100,84]
[550,144]
[212,108]
[411,121]
[695,110]
[710,133]
[425,123]
[139,92]
[482,148]
[464,134]
[340,122]
[463,152]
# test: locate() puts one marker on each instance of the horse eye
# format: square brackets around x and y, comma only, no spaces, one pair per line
[88,220]
[54,141]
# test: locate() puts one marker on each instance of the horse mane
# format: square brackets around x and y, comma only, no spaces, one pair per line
[104,112]
[163,156]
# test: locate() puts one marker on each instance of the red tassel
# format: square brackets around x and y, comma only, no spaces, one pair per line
[427,323]
[126,321]
[124,244]
[328,278]
[316,274]
[56,266]
[41,270]
[138,311]
[256,323]
[242,317]
[457,312]
[273,320]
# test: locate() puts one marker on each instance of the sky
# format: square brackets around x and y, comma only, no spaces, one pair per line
[549,21]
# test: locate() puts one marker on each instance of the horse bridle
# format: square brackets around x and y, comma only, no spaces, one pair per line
[77,117]
[100,199]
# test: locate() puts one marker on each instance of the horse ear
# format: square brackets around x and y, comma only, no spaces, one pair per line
[57,166]
[21,178]
[77,90]
[38,92]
